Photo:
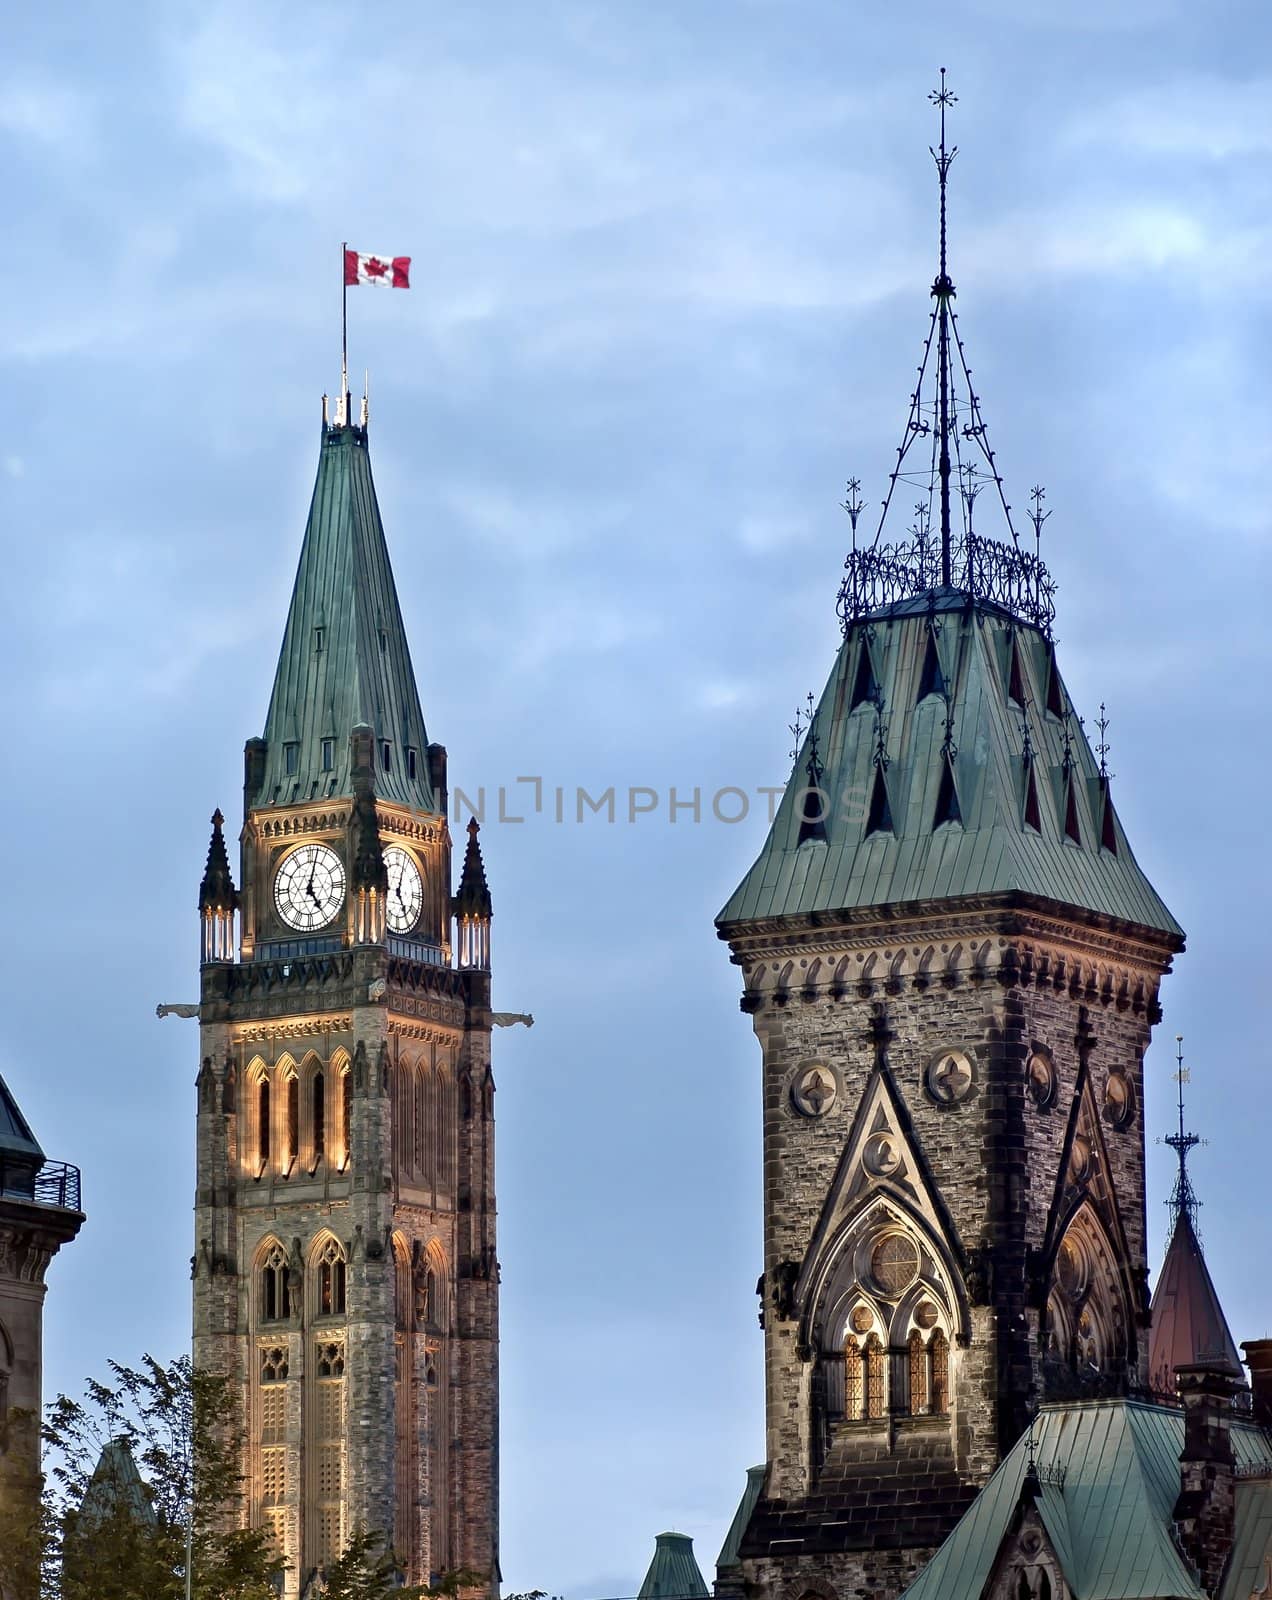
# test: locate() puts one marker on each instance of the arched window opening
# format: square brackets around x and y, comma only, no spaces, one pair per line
[331,1280]
[293,1120]
[346,1117]
[442,1100]
[1044,1585]
[262,1123]
[918,1373]
[320,1117]
[421,1121]
[1023,1591]
[876,1385]
[939,1369]
[228,1095]
[275,1287]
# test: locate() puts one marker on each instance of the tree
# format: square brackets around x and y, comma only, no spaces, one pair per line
[141,1470]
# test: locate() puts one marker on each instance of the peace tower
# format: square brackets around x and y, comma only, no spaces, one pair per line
[951,961]
[345,1273]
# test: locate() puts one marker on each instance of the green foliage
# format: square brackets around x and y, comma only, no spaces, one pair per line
[369,1571]
[142,1467]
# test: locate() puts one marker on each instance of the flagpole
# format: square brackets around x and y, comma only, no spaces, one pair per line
[344,334]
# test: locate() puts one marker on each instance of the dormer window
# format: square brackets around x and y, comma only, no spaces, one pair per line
[410,763]
[328,754]
[386,755]
[319,637]
[291,759]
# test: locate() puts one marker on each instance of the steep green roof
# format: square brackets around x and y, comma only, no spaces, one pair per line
[731,1550]
[344,661]
[922,810]
[115,1489]
[1250,1565]
[673,1573]
[1109,1474]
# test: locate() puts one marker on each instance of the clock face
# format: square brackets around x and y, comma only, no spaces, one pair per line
[406,890]
[310,887]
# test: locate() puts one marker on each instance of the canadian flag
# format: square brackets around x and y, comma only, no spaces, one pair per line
[394,272]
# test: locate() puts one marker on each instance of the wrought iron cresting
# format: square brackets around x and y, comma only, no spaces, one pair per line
[945,410]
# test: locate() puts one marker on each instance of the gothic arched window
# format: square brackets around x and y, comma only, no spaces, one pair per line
[421,1122]
[876,1378]
[918,1373]
[939,1359]
[331,1280]
[293,1119]
[262,1123]
[854,1383]
[318,1091]
[275,1294]
[346,1117]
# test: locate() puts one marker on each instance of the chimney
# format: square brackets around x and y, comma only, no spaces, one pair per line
[1258,1357]
[1204,1512]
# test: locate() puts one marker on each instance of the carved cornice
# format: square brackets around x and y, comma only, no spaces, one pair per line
[1013,920]
[426,1035]
[292,1028]
[297,821]
[30,1236]
[408,825]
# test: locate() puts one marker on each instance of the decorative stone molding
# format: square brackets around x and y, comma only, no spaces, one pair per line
[292,1028]
[296,824]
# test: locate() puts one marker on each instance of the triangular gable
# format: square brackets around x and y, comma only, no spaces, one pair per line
[882,1160]
[1031,1564]
[865,684]
[931,679]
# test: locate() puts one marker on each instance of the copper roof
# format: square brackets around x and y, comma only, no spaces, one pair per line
[1189,1326]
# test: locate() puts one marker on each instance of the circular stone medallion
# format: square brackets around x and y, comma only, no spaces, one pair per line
[814,1091]
[1118,1101]
[1042,1079]
[861,1319]
[950,1077]
[881,1156]
[925,1314]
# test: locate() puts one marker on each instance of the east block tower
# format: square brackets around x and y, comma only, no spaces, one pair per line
[344,1271]
[951,961]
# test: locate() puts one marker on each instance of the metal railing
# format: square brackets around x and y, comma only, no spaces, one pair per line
[56,1183]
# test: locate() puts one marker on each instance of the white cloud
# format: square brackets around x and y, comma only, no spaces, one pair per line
[45,112]
[1202,119]
[14,467]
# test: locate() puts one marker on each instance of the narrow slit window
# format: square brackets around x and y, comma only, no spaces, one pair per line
[386,755]
[328,755]
[410,763]
[320,1117]
[319,639]
[291,759]
[262,1123]
[346,1113]
[293,1118]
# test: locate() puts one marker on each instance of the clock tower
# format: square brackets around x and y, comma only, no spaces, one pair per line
[344,1273]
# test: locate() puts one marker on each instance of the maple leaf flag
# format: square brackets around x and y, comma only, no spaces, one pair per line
[393,272]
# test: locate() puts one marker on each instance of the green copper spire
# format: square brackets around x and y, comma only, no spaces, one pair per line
[344,662]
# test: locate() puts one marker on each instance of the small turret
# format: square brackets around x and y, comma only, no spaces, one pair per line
[472,907]
[218,898]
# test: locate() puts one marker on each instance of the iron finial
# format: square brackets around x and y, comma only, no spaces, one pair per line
[1102,749]
[1182,1199]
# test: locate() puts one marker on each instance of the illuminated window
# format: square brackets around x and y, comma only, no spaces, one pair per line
[854,1390]
[918,1373]
[875,1376]
[939,1354]
[331,1280]
[346,1113]
[275,1301]
[320,1116]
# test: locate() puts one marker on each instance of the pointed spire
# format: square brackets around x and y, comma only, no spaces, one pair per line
[473,898]
[217,891]
[1182,1199]
[344,660]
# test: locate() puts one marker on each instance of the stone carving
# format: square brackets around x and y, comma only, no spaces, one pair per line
[894,1264]
[950,1077]
[1041,1075]
[814,1091]
[881,1157]
[1118,1100]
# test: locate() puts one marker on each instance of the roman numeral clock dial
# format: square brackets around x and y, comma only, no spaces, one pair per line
[406,890]
[309,888]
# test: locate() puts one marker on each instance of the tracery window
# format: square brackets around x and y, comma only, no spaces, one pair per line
[331,1280]
[272,1467]
[918,1373]
[328,1450]
[854,1383]
[275,1290]
[939,1357]
[876,1381]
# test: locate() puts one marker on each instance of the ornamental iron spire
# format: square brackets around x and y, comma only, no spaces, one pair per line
[945,411]
[1182,1199]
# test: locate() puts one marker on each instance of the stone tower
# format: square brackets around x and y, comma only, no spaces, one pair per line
[39,1213]
[951,961]
[344,1272]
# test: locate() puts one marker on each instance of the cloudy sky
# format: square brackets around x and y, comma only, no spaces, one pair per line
[671,280]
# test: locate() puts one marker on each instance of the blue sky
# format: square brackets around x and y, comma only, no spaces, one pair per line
[670,286]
